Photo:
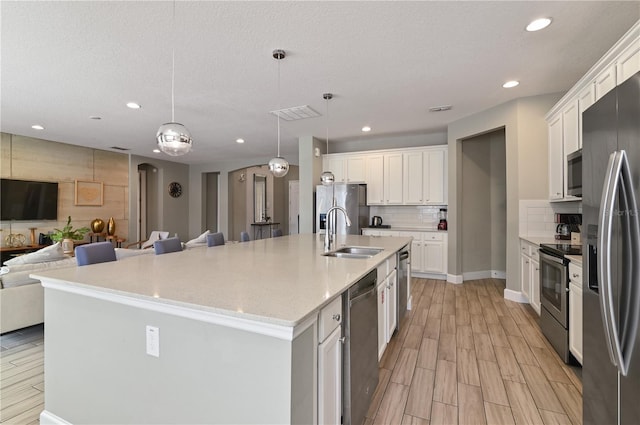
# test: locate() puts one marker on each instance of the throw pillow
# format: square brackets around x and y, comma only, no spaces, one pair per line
[50,253]
[202,239]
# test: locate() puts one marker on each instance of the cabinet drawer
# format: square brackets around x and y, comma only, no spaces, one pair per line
[330,318]
[392,263]
[575,274]
[430,236]
[534,253]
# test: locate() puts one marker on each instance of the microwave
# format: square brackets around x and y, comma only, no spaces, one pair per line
[574,173]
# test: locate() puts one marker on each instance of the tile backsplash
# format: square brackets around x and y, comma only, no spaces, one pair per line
[408,216]
[537,217]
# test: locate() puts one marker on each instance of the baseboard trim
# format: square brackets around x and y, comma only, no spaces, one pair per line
[484,274]
[515,296]
[48,418]
[455,278]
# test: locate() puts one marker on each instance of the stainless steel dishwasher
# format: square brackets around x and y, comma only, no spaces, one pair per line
[360,377]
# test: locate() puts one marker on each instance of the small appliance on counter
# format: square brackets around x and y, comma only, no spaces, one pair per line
[376,223]
[442,215]
[566,225]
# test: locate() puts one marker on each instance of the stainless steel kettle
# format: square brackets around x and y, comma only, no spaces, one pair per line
[376,221]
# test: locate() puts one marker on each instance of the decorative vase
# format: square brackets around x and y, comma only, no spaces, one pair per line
[67,246]
[97,225]
[111,227]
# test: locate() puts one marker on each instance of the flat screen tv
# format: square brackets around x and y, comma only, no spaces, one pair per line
[28,200]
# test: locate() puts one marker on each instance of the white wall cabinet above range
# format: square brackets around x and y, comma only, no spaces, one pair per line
[411,176]
[564,120]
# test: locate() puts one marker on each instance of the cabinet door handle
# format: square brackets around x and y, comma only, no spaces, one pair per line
[575,275]
[336,317]
[343,339]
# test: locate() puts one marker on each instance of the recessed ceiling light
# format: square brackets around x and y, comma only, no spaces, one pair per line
[95,117]
[239,140]
[37,127]
[510,84]
[539,24]
[366,128]
[156,151]
[133,105]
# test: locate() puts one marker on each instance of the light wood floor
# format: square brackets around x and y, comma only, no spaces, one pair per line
[22,376]
[464,355]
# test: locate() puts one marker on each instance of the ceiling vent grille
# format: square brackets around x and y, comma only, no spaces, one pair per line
[440,108]
[118,148]
[296,113]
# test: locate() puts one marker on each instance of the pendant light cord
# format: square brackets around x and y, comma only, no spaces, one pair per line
[279,107]
[327,123]
[173,64]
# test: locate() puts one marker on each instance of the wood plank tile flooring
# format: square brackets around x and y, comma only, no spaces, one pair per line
[481,360]
[464,355]
[22,376]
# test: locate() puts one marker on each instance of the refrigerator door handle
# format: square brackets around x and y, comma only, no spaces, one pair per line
[619,177]
[605,227]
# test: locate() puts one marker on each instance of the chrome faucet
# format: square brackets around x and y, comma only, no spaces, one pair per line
[331,227]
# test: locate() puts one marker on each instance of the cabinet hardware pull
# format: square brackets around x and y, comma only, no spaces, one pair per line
[343,339]
[575,275]
[336,317]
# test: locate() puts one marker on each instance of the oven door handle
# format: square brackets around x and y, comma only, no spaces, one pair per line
[618,179]
[551,258]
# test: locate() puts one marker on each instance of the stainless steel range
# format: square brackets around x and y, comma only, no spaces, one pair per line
[554,295]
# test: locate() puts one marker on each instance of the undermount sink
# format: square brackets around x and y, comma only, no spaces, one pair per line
[354,252]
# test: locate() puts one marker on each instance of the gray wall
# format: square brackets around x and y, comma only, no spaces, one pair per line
[388,142]
[484,203]
[526,159]
[310,170]
[172,213]
[197,220]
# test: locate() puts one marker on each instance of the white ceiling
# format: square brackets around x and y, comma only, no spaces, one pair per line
[385,62]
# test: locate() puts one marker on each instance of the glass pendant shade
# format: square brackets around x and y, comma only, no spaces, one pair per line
[279,166]
[174,139]
[327,178]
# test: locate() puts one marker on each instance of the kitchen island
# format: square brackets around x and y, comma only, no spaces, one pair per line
[233,338]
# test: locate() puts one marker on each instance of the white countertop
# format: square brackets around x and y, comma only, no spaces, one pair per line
[277,280]
[577,259]
[407,229]
[538,240]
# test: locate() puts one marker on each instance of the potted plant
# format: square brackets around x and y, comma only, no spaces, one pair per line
[67,235]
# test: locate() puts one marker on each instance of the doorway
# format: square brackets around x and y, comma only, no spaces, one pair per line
[148,202]
[484,206]
[294,207]
[210,196]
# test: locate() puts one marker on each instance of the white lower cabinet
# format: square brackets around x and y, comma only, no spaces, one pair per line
[330,363]
[387,293]
[575,311]
[530,273]
[428,252]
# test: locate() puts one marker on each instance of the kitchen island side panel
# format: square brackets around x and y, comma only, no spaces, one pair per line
[97,369]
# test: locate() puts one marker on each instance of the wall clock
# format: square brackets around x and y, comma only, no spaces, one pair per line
[175,189]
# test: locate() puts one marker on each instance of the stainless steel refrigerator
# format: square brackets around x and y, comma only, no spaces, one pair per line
[351,197]
[611,254]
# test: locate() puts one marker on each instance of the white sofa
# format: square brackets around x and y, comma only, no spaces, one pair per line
[22,297]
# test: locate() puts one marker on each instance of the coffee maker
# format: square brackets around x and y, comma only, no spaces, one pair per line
[567,224]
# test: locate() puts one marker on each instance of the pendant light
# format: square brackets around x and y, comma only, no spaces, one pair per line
[173,138]
[327,178]
[278,166]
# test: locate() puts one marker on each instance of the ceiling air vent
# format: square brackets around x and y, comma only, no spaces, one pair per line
[440,108]
[296,113]
[118,148]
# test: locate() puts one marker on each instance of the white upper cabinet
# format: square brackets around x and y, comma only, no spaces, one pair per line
[374,177]
[629,62]
[356,169]
[605,81]
[564,120]
[586,98]
[336,164]
[435,176]
[413,179]
[556,165]
[412,176]
[393,179]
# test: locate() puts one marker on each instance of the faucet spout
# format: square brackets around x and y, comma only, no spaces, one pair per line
[331,225]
